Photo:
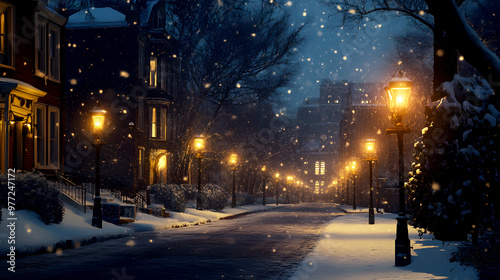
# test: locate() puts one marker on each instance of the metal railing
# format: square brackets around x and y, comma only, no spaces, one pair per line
[77,193]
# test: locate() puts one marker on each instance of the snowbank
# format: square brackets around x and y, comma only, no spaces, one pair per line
[350,248]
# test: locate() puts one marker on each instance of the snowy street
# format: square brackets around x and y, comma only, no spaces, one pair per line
[265,245]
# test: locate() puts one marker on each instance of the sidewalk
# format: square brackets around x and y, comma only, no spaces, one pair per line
[350,248]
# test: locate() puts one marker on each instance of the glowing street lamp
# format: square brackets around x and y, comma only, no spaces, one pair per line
[233,164]
[370,153]
[98,119]
[199,148]
[399,90]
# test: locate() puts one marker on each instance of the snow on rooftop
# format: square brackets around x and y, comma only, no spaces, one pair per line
[145,14]
[97,18]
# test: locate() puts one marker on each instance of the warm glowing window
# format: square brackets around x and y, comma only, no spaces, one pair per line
[154,122]
[5,39]
[153,72]
[140,163]
[319,168]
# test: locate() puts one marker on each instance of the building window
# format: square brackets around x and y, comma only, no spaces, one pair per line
[140,163]
[154,122]
[47,56]
[47,131]
[6,39]
[53,55]
[153,71]
[53,130]
[319,168]
[158,118]
[40,138]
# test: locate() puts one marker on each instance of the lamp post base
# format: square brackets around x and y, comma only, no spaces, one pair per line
[403,249]
[371,216]
[97,213]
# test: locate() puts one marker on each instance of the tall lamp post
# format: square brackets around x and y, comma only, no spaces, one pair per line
[233,163]
[399,90]
[370,153]
[199,146]
[353,168]
[277,175]
[264,185]
[98,118]
[347,179]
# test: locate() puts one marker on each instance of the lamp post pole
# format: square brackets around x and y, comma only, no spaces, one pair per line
[371,213]
[97,209]
[398,91]
[98,118]
[199,200]
[199,145]
[277,187]
[353,191]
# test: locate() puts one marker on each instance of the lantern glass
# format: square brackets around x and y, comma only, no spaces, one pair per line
[233,159]
[199,143]
[98,118]
[370,146]
[277,175]
[399,91]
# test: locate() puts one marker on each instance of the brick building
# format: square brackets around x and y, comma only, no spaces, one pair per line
[31,86]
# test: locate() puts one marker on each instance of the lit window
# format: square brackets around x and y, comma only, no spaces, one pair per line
[140,163]
[6,24]
[153,72]
[154,122]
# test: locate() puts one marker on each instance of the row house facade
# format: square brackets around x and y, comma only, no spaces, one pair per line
[121,61]
[31,86]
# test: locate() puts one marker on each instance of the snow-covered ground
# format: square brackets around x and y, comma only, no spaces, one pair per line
[33,236]
[350,248]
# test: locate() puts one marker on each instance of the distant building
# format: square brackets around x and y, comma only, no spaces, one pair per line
[318,133]
[31,87]
[122,61]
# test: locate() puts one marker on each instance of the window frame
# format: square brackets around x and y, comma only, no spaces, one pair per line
[7,34]
[40,133]
[57,131]
[141,161]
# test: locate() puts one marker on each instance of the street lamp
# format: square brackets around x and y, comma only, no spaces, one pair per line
[277,175]
[199,147]
[370,153]
[398,91]
[264,185]
[233,163]
[289,180]
[353,168]
[98,118]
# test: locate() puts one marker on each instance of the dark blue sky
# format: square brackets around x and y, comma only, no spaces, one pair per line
[331,53]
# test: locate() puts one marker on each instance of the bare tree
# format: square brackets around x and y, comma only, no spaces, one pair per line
[230,53]
[445,19]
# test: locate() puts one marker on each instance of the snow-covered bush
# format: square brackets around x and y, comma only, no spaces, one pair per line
[214,197]
[171,196]
[34,193]
[190,191]
[454,181]
[245,199]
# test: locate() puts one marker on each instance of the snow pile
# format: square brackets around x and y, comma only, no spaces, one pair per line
[34,236]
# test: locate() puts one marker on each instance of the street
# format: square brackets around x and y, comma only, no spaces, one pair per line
[265,245]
